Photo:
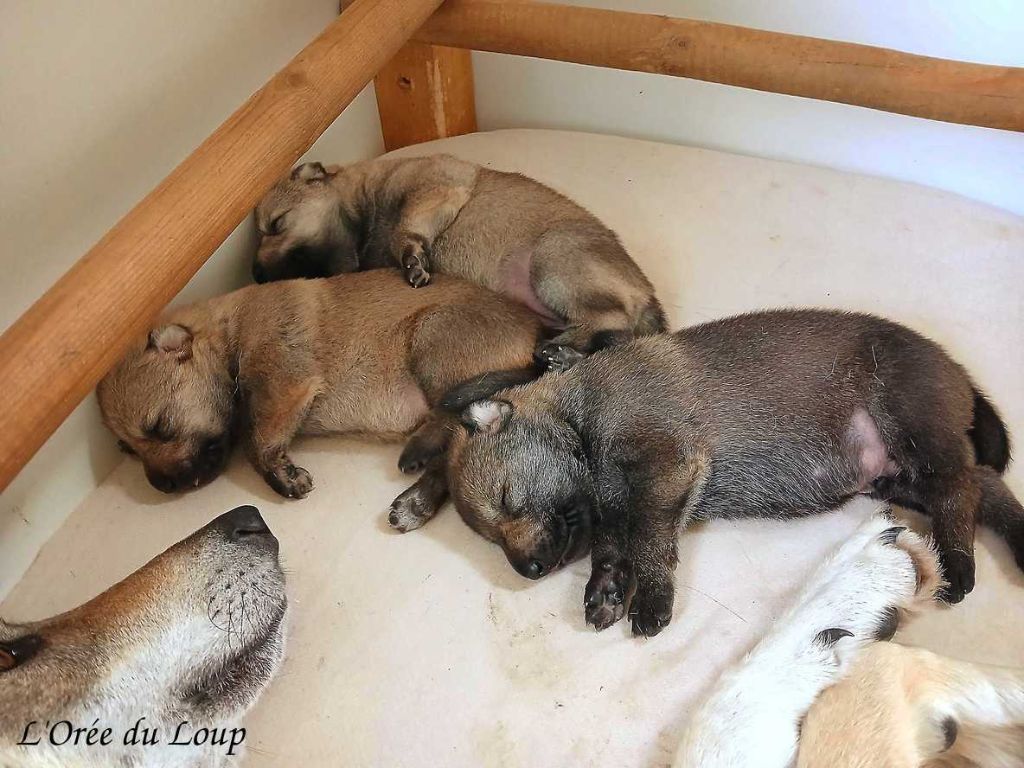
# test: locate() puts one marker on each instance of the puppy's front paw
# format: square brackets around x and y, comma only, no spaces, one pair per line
[417,277]
[958,571]
[410,511]
[558,357]
[414,262]
[290,481]
[651,609]
[607,593]
[417,454]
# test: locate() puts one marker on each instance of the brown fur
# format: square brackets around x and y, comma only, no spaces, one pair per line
[183,638]
[351,354]
[903,707]
[441,215]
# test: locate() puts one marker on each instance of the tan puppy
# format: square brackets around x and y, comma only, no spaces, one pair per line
[159,669]
[909,708]
[442,215]
[352,354]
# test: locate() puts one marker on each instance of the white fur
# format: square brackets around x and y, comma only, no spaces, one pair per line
[751,719]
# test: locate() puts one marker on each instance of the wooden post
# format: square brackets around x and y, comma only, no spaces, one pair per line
[863,75]
[425,92]
[56,352]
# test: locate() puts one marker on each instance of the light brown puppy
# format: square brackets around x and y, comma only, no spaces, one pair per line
[182,647]
[904,707]
[439,214]
[351,354]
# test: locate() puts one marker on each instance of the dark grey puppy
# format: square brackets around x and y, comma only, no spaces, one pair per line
[773,414]
[439,214]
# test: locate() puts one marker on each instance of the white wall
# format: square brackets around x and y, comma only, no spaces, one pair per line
[98,102]
[980,163]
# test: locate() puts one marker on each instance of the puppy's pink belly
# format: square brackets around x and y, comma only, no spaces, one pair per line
[872,456]
[516,283]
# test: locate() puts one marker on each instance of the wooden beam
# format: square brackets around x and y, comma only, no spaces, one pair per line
[424,93]
[880,78]
[57,351]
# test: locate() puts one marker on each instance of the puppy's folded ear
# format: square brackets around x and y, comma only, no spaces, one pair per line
[173,339]
[309,172]
[486,416]
[485,385]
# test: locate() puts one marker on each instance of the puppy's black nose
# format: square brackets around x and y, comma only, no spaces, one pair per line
[164,483]
[259,274]
[534,570]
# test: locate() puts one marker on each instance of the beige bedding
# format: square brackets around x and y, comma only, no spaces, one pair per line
[428,650]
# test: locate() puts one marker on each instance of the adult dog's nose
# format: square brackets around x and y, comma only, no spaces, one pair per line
[259,274]
[242,524]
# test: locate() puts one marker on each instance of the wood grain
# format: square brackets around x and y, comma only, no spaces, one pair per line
[880,78]
[424,93]
[56,352]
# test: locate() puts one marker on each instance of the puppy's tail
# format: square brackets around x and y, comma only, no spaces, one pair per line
[1001,511]
[988,433]
[485,385]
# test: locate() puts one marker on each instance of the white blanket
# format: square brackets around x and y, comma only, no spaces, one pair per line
[428,650]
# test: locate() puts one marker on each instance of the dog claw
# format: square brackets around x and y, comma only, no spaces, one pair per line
[829,637]
[889,535]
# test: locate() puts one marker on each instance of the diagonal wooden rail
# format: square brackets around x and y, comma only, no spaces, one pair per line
[56,352]
[922,86]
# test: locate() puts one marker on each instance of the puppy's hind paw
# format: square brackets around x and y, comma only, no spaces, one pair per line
[558,357]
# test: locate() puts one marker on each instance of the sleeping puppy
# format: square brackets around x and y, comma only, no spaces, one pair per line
[182,643]
[441,215]
[357,353]
[776,414]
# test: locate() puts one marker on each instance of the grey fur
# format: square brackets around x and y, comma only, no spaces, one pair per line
[774,414]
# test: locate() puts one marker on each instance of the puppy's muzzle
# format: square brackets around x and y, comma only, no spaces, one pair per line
[568,540]
[207,463]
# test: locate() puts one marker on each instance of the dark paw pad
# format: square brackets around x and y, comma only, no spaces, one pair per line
[414,262]
[410,511]
[290,481]
[417,277]
[558,357]
[416,456]
[651,610]
[604,601]
[958,572]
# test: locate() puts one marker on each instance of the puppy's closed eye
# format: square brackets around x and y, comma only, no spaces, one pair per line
[159,430]
[125,448]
